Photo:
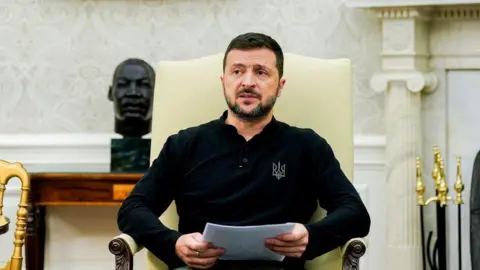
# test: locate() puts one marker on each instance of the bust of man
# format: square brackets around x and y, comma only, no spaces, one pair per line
[132,95]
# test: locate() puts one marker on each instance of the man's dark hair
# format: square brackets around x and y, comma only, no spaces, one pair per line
[250,41]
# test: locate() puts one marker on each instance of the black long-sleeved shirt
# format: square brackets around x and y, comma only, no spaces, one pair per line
[215,175]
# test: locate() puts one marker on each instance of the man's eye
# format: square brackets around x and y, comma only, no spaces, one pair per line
[262,72]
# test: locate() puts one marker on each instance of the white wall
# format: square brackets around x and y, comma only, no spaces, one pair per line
[57,57]
[73,242]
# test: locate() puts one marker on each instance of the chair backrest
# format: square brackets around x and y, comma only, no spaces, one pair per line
[317,94]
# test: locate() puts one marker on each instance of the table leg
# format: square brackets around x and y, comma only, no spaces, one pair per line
[35,242]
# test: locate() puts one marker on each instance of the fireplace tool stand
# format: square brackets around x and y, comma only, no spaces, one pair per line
[435,253]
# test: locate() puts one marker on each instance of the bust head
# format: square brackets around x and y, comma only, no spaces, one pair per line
[132,95]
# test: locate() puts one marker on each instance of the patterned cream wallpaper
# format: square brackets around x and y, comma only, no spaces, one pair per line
[57,56]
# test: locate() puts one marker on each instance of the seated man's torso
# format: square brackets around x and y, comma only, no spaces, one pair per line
[231,181]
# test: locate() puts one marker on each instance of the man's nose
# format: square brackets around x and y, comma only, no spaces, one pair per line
[248,80]
[132,89]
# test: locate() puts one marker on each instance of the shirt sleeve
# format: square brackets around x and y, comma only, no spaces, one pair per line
[347,216]
[154,192]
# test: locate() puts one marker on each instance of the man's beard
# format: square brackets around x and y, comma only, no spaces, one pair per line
[260,111]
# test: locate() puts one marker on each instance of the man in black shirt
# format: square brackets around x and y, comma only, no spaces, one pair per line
[245,168]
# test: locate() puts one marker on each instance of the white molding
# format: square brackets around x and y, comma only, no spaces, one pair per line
[369,150]
[83,149]
[91,152]
[461,12]
[58,152]
[405,3]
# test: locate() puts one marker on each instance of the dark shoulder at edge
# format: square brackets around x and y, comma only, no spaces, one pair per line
[306,135]
[188,134]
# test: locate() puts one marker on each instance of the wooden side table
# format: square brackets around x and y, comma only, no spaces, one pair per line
[69,189]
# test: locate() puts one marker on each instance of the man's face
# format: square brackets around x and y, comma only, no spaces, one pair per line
[251,82]
[132,92]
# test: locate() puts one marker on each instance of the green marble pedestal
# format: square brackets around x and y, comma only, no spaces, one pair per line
[129,155]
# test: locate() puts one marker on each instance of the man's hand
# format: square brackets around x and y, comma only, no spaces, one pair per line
[195,252]
[290,244]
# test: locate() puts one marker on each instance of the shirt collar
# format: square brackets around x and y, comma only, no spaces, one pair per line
[269,128]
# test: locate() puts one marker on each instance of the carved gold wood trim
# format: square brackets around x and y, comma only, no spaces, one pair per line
[121,191]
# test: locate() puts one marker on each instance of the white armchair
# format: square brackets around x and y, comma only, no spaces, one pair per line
[318,94]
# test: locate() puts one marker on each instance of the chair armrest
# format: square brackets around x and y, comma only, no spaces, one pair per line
[123,247]
[351,253]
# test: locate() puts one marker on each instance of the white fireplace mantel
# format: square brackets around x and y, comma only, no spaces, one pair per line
[406,3]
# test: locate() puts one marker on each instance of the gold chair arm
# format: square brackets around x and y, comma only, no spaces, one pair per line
[8,171]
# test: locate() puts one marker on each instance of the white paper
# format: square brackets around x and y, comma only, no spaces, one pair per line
[245,242]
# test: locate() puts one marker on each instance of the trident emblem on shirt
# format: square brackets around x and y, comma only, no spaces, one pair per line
[278,170]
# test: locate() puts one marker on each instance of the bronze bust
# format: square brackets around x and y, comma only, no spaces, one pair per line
[132,95]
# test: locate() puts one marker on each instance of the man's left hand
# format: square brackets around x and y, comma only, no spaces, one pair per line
[290,244]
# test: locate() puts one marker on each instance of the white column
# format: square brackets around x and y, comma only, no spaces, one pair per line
[403,77]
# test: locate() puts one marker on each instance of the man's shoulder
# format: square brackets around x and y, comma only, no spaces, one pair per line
[190,133]
[303,134]
[313,144]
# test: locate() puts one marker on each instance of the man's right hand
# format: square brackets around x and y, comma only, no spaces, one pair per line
[195,252]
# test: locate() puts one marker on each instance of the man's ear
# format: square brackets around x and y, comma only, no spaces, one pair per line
[281,84]
[110,95]
[222,79]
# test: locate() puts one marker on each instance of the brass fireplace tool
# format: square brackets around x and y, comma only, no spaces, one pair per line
[438,258]
[8,171]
